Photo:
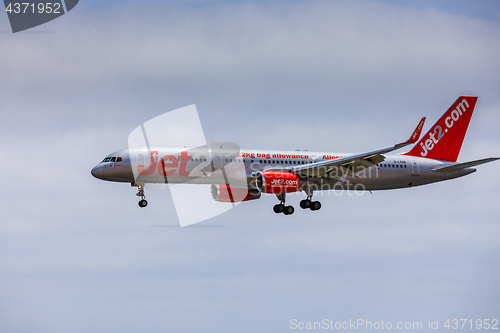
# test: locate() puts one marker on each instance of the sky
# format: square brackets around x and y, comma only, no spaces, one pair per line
[78,254]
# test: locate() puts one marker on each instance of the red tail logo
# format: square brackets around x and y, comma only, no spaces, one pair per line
[444,139]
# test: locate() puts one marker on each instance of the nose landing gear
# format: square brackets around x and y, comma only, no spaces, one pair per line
[142,202]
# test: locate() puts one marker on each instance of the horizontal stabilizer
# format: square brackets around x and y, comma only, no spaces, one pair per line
[460,166]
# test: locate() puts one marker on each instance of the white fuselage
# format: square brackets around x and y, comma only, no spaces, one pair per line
[198,166]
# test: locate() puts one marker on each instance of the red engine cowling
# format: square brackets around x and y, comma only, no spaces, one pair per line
[225,193]
[276,182]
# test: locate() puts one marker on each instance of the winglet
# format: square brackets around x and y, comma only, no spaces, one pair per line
[416,133]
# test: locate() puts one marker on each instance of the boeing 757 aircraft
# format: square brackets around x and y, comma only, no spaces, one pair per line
[240,175]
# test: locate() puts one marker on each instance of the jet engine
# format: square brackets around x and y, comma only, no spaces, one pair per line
[276,182]
[225,193]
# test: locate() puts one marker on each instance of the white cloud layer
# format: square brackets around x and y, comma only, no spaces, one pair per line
[78,254]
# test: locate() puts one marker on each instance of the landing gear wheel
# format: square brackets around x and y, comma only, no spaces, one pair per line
[315,205]
[289,210]
[306,203]
[142,202]
[279,208]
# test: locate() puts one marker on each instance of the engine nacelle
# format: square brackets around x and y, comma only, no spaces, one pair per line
[225,193]
[276,182]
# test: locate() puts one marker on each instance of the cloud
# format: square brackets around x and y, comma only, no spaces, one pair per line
[332,76]
[333,58]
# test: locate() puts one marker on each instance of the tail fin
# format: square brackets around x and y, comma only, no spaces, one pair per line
[445,138]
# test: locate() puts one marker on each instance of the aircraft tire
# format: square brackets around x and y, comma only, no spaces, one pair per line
[289,210]
[143,203]
[315,205]
[304,204]
[279,208]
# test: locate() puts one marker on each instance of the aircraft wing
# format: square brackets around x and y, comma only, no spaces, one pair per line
[352,164]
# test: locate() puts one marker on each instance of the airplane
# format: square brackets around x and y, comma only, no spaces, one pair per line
[241,175]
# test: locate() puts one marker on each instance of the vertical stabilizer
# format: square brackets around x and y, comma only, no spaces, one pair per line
[444,140]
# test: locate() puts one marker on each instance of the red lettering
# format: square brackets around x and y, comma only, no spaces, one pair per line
[152,165]
[171,165]
[182,168]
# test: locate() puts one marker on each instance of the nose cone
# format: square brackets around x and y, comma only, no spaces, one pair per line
[99,172]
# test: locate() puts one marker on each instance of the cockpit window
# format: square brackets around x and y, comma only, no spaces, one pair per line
[112,159]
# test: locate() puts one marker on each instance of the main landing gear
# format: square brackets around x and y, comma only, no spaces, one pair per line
[142,202]
[312,205]
[288,210]
[281,208]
